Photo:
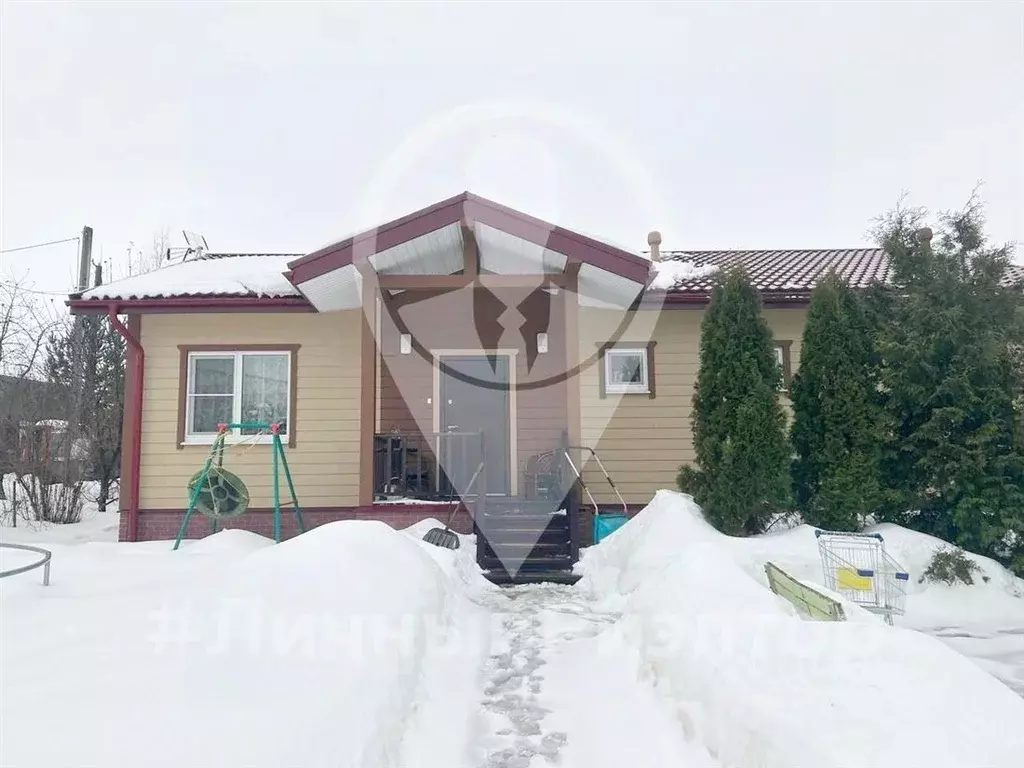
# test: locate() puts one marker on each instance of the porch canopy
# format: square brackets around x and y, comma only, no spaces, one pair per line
[468,240]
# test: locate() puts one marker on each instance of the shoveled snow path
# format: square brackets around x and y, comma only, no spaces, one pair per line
[559,689]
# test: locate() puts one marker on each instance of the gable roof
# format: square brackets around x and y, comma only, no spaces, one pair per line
[470,210]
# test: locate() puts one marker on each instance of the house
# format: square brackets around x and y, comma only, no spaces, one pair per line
[34,428]
[465,350]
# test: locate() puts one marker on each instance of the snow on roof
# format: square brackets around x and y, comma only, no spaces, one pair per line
[669,274]
[235,274]
[262,274]
[798,271]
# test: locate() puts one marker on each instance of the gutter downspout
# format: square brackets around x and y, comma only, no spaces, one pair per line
[136,409]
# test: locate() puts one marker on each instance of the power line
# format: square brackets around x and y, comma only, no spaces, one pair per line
[38,245]
[18,287]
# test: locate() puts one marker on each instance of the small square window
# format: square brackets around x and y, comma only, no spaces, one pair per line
[626,371]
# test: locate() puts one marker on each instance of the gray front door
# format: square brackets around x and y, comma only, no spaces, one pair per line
[474,394]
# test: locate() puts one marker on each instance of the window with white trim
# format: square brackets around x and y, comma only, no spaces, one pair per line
[626,371]
[783,361]
[237,388]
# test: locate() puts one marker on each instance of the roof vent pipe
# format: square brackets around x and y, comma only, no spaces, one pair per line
[654,240]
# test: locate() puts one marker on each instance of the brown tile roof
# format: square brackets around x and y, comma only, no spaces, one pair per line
[786,273]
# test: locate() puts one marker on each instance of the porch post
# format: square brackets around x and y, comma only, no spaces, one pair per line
[367,383]
[571,304]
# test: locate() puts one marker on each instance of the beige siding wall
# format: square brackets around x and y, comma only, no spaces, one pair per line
[641,440]
[325,461]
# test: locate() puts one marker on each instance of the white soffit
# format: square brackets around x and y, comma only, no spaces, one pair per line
[335,290]
[435,253]
[598,288]
[505,254]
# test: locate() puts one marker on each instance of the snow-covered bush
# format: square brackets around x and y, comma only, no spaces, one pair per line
[950,566]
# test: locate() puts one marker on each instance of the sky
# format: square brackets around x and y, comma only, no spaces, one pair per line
[273,127]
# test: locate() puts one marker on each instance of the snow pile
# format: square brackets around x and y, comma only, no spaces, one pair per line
[314,652]
[670,273]
[260,275]
[759,686]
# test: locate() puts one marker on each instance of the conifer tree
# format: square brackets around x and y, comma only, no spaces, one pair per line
[950,357]
[742,472]
[87,359]
[837,425]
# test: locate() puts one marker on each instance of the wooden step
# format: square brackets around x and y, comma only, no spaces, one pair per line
[524,505]
[552,563]
[545,549]
[554,577]
[523,521]
[529,536]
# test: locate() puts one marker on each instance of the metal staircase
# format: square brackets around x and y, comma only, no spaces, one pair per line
[526,534]
[540,546]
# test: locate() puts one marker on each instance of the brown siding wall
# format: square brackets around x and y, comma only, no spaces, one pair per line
[643,441]
[447,322]
[325,461]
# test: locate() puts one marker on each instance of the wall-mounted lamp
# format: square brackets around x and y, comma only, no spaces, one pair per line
[405,343]
[542,343]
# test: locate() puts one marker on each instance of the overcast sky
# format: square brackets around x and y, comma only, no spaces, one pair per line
[278,127]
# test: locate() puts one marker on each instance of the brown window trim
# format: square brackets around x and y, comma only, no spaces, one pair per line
[787,362]
[605,346]
[293,391]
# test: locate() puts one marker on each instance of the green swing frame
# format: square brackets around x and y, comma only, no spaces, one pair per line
[217,457]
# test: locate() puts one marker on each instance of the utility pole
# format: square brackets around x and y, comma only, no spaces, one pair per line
[84,258]
[78,349]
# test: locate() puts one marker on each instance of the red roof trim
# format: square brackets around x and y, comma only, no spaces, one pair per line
[192,304]
[470,208]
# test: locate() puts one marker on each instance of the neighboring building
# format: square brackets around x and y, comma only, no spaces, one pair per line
[33,427]
[462,330]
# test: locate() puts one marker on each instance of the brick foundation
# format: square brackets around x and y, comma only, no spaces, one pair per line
[156,524]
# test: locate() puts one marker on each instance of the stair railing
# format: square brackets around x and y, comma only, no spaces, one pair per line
[583,485]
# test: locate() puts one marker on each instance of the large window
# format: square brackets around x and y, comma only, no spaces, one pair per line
[628,370]
[238,388]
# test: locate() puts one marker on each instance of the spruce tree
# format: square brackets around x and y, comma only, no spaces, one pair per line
[837,425]
[955,463]
[742,472]
[87,359]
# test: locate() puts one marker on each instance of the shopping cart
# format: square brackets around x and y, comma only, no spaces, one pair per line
[857,566]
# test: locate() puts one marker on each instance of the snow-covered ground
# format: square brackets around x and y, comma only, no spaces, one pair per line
[231,651]
[357,645]
[760,686]
[984,621]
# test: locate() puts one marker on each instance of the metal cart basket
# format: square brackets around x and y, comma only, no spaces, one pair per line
[857,566]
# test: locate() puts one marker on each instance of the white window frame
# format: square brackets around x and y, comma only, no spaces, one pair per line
[642,387]
[234,435]
[780,359]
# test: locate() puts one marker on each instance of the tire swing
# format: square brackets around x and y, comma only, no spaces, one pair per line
[219,494]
